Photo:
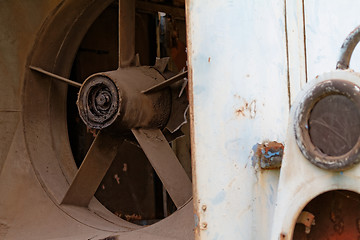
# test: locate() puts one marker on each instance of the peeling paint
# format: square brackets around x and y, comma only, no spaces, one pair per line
[269,154]
[196,219]
[246,109]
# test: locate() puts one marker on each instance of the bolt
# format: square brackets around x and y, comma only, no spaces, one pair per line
[270,154]
[204,226]
[102,98]
[204,207]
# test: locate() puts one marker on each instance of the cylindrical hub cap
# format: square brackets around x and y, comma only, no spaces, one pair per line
[98,102]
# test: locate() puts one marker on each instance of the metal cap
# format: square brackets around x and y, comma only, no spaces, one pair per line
[98,102]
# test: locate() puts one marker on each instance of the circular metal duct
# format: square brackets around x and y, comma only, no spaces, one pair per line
[46,128]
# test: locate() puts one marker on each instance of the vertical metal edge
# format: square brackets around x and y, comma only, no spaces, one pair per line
[296,40]
[191,115]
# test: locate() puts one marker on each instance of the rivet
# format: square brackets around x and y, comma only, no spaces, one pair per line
[204,207]
[204,226]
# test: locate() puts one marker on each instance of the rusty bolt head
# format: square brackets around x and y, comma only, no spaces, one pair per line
[204,226]
[270,155]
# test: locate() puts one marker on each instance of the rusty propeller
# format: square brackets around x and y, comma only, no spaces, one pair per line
[116,102]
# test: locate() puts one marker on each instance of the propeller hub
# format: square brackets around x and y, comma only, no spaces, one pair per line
[103,100]
[98,102]
[115,98]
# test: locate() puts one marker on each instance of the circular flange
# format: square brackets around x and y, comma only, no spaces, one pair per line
[98,102]
[327,130]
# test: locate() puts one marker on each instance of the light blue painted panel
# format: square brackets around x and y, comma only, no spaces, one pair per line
[240,98]
[327,24]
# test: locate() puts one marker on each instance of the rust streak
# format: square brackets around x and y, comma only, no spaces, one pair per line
[270,154]
[246,109]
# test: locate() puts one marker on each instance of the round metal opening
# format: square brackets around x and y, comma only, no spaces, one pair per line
[131,188]
[53,129]
[327,130]
[330,216]
[334,125]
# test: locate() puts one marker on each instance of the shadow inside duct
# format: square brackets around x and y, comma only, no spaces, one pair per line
[336,216]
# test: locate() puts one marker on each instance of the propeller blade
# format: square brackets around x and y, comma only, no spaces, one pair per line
[166,164]
[126,32]
[92,170]
[166,83]
[57,77]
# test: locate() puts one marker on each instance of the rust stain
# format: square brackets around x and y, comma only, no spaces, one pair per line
[117,178]
[125,167]
[203,226]
[246,109]
[270,154]
[282,236]
[209,59]
[133,217]
[240,111]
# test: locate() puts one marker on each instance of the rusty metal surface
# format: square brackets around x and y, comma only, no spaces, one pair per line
[40,154]
[270,155]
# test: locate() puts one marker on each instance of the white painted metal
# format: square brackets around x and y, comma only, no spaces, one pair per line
[296,46]
[240,98]
[327,25]
[300,180]
[245,58]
